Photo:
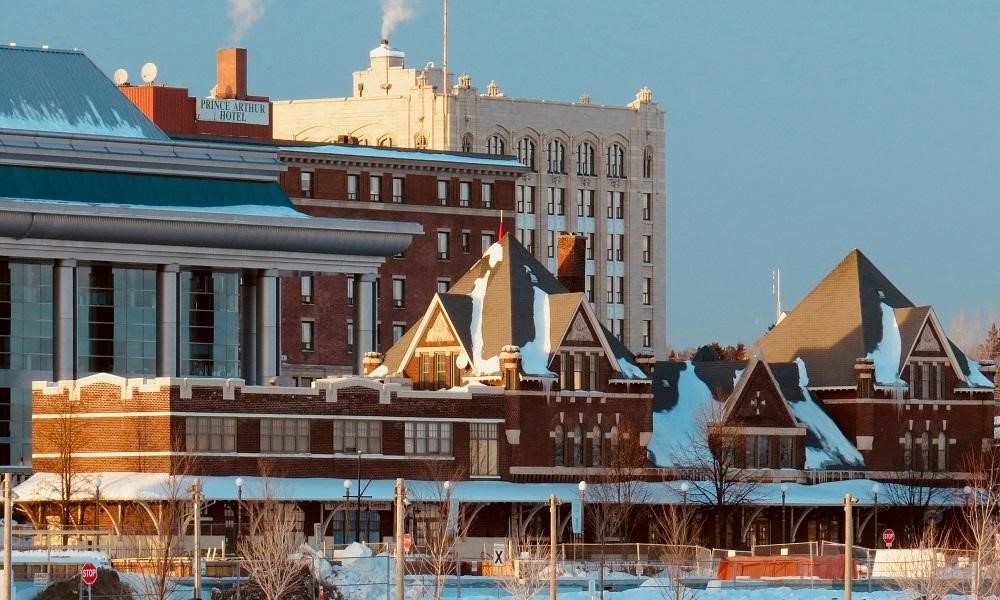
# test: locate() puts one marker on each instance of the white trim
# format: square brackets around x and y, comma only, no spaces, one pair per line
[169,453]
[114,415]
[745,375]
[830,388]
[422,325]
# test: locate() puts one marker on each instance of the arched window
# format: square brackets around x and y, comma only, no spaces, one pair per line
[385,141]
[647,163]
[467,142]
[495,145]
[908,451]
[942,452]
[585,159]
[616,160]
[614,445]
[526,152]
[559,447]
[420,141]
[925,451]
[597,447]
[579,446]
[556,152]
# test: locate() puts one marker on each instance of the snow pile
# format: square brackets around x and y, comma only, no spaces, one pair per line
[481,365]
[494,253]
[674,429]
[835,449]
[380,371]
[887,353]
[41,118]
[976,377]
[358,574]
[630,369]
[535,354]
[61,556]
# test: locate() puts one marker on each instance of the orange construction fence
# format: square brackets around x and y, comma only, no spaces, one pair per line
[756,567]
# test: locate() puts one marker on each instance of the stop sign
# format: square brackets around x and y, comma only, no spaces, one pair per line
[888,536]
[88,573]
[407,541]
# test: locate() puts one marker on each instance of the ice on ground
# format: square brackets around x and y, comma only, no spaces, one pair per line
[835,449]
[535,354]
[887,352]
[674,429]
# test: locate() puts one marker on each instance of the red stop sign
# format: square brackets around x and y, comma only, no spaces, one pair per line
[88,573]
[407,541]
[888,536]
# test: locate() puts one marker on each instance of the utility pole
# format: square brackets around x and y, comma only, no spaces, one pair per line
[553,520]
[848,546]
[196,563]
[8,513]
[398,535]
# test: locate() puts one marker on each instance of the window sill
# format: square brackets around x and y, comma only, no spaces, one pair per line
[487,477]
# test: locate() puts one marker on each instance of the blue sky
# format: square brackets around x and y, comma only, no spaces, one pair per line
[795,130]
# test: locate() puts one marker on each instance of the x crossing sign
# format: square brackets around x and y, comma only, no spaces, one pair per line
[499,555]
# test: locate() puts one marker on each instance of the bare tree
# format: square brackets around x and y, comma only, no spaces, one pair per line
[64,436]
[989,348]
[678,528]
[715,456]
[927,572]
[981,527]
[442,523]
[915,494]
[268,546]
[967,330]
[531,560]
[616,493]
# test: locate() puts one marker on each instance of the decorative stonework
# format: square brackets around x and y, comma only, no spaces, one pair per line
[440,331]
[579,331]
[928,342]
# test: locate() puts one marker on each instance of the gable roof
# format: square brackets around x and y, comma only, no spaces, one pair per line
[63,91]
[744,378]
[508,298]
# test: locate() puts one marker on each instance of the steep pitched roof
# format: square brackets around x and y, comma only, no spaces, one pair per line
[838,321]
[509,298]
[63,91]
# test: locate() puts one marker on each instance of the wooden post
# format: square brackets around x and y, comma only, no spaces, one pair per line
[398,533]
[848,545]
[553,519]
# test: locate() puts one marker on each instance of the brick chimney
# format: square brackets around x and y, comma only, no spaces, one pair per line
[231,75]
[572,261]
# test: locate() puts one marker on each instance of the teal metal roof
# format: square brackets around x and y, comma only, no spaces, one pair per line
[63,91]
[164,192]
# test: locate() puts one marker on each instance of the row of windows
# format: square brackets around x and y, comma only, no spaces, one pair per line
[524,202]
[555,157]
[571,450]
[398,192]
[486,239]
[927,457]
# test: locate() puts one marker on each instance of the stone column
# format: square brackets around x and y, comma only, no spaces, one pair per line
[364,322]
[267,326]
[64,320]
[166,320]
[248,326]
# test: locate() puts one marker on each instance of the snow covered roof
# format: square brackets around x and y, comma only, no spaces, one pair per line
[383,152]
[63,91]
[508,298]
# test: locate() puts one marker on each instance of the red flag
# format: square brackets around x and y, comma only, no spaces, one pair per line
[500,229]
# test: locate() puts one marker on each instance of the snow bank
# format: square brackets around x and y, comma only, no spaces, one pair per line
[60,556]
[630,369]
[835,448]
[674,429]
[535,354]
[887,352]
[976,377]
[355,550]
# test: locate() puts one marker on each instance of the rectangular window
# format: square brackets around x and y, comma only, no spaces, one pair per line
[357,436]
[306,283]
[550,245]
[443,243]
[529,240]
[483,449]
[616,209]
[551,204]
[647,291]
[398,189]
[425,366]
[591,242]
[647,207]
[307,335]
[464,193]
[5,413]
[487,241]
[375,188]
[306,179]
[525,198]
[398,329]
[647,333]
[210,434]
[398,292]
[352,187]
[433,438]
[647,248]
[487,195]
[559,199]
[611,289]
[442,368]
[284,436]
[443,285]
[585,203]
[787,452]
[610,240]
[620,290]
[519,199]
[589,288]
[350,290]
[443,192]
[617,327]
[466,242]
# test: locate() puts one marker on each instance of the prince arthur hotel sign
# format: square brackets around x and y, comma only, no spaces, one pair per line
[233,111]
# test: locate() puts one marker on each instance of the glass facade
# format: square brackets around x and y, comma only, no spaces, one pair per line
[116,320]
[25,316]
[210,324]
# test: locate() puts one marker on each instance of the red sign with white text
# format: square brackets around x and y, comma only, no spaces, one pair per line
[88,573]
[888,536]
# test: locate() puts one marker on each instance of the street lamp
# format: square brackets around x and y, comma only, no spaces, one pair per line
[97,513]
[582,486]
[239,529]
[875,490]
[347,499]
[684,490]
[196,499]
[357,514]
[784,535]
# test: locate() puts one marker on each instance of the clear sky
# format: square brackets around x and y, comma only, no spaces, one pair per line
[795,130]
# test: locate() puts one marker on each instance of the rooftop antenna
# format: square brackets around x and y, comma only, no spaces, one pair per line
[148,72]
[444,74]
[776,290]
[121,77]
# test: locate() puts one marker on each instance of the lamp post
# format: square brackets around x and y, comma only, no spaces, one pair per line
[875,490]
[196,564]
[582,487]
[239,530]
[553,528]
[684,490]
[97,513]
[784,534]
[357,514]
[347,499]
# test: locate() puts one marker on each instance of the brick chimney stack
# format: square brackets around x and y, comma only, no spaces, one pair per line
[231,74]
[572,262]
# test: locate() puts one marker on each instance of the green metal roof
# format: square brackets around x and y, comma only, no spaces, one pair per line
[162,192]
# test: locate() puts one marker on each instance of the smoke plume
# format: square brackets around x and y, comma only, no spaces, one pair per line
[243,14]
[394,12]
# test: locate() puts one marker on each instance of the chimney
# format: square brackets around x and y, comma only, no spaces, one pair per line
[231,76]
[572,262]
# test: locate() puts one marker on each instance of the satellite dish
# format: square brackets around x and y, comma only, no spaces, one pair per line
[148,72]
[121,77]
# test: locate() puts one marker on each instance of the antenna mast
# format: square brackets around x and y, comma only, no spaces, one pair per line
[444,76]
[776,290]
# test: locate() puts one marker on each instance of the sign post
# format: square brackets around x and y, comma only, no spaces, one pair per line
[888,536]
[88,575]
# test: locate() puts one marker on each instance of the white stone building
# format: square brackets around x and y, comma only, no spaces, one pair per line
[595,169]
